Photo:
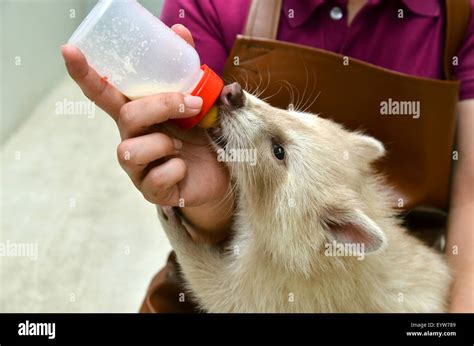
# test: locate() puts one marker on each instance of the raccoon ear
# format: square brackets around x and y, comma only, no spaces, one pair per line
[369,147]
[357,228]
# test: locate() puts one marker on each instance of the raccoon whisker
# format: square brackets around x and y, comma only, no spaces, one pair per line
[307,97]
[313,89]
[300,103]
[314,100]
[262,91]
[289,88]
[246,80]
[260,76]
[275,93]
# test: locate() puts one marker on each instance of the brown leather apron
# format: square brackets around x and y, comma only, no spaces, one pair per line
[349,91]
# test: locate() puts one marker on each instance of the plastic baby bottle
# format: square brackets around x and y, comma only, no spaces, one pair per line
[141,56]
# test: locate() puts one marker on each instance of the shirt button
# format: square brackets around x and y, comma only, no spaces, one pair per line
[336,13]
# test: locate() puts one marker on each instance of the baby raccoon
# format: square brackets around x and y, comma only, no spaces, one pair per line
[313,230]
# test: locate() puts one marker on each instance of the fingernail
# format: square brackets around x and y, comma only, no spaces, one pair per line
[193,102]
[178,26]
[177,144]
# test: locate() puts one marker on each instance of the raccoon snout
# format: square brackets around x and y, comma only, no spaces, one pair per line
[233,96]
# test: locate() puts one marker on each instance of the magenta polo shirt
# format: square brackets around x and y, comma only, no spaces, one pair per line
[412,44]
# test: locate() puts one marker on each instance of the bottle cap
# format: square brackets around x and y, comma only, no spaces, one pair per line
[209,89]
[210,119]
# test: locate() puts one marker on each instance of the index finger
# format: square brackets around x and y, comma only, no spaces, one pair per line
[105,95]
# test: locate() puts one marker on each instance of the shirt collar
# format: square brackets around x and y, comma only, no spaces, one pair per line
[303,10]
[427,8]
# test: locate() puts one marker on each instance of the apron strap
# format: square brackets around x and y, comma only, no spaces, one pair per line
[263,19]
[458,14]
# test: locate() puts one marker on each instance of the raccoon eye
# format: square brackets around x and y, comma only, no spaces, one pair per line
[279,152]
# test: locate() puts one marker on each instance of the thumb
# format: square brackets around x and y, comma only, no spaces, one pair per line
[185,34]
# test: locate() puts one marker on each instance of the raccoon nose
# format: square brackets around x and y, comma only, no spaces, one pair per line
[232,96]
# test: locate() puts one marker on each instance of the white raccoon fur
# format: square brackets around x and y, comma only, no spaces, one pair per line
[324,190]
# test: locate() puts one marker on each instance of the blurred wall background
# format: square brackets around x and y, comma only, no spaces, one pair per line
[93,242]
[32,32]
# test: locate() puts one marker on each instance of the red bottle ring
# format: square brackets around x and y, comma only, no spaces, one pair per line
[209,89]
